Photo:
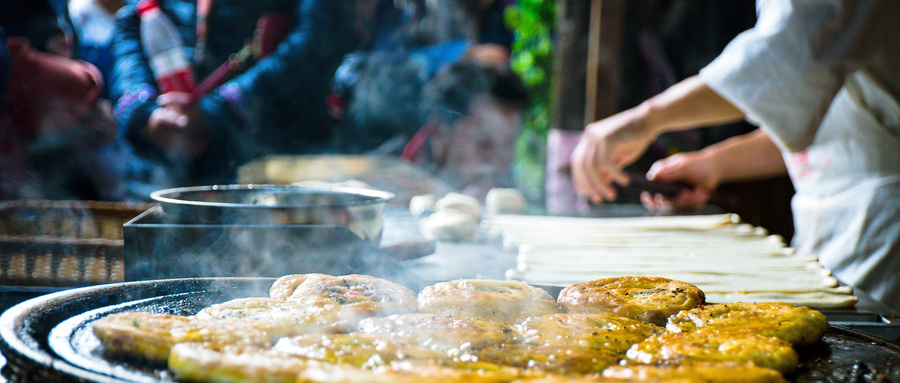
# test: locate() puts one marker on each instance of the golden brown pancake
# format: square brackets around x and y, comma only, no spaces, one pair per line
[676,348]
[350,297]
[799,325]
[413,372]
[439,331]
[597,331]
[696,372]
[283,317]
[650,299]
[197,362]
[355,349]
[492,300]
[550,359]
[151,336]
[364,292]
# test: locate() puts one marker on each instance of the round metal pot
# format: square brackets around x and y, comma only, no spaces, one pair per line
[359,210]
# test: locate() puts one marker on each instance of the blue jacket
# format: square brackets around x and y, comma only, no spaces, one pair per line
[277,105]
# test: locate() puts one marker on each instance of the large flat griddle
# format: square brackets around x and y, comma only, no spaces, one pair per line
[49,339]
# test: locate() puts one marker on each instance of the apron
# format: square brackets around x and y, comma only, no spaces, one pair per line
[847,205]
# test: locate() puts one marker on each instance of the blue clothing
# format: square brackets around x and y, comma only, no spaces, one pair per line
[277,105]
[100,56]
[93,29]
[437,56]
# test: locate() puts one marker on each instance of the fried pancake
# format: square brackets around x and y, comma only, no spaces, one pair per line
[596,379]
[799,325]
[440,332]
[696,372]
[674,348]
[493,300]
[196,362]
[650,299]
[413,372]
[550,359]
[359,350]
[361,294]
[597,331]
[151,336]
[283,317]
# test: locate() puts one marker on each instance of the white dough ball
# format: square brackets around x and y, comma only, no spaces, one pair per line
[505,201]
[448,225]
[461,202]
[419,204]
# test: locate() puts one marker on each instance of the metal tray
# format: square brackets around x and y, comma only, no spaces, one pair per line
[387,173]
[49,339]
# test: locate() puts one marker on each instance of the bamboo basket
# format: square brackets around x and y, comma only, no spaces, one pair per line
[63,243]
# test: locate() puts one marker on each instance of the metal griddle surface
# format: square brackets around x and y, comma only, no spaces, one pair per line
[49,338]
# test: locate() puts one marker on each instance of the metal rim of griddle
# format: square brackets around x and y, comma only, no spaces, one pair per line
[31,331]
[166,195]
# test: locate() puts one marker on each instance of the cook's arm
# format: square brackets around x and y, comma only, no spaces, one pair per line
[611,144]
[747,157]
[687,105]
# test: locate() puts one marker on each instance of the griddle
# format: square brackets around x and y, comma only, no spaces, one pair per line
[49,339]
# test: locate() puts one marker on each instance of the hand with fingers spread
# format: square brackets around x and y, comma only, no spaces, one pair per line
[611,144]
[177,129]
[605,149]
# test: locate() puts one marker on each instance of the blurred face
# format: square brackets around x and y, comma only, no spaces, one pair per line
[479,152]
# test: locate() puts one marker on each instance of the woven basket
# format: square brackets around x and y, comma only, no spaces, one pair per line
[63,243]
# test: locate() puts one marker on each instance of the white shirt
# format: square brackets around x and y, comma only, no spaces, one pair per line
[93,24]
[821,77]
[785,72]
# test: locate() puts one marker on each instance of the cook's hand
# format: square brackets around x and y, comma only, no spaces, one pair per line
[606,147]
[176,128]
[693,169]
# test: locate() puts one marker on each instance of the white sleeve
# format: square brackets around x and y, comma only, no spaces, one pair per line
[785,71]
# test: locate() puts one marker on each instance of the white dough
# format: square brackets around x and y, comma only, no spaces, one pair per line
[505,201]
[461,202]
[448,225]
[419,204]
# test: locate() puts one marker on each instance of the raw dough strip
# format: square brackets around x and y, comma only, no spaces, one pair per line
[820,300]
[648,241]
[595,252]
[736,231]
[707,282]
[737,279]
[698,222]
[540,261]
[626,267]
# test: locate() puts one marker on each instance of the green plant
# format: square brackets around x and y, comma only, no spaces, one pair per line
[532,23]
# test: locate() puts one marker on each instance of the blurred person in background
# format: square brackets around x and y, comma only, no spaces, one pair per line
[473,116]
[93,28]
[378,88]
[273,105]
[820,78]
[429,68]
[53,124]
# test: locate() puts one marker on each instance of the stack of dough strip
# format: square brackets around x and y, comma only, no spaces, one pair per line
[729,260]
